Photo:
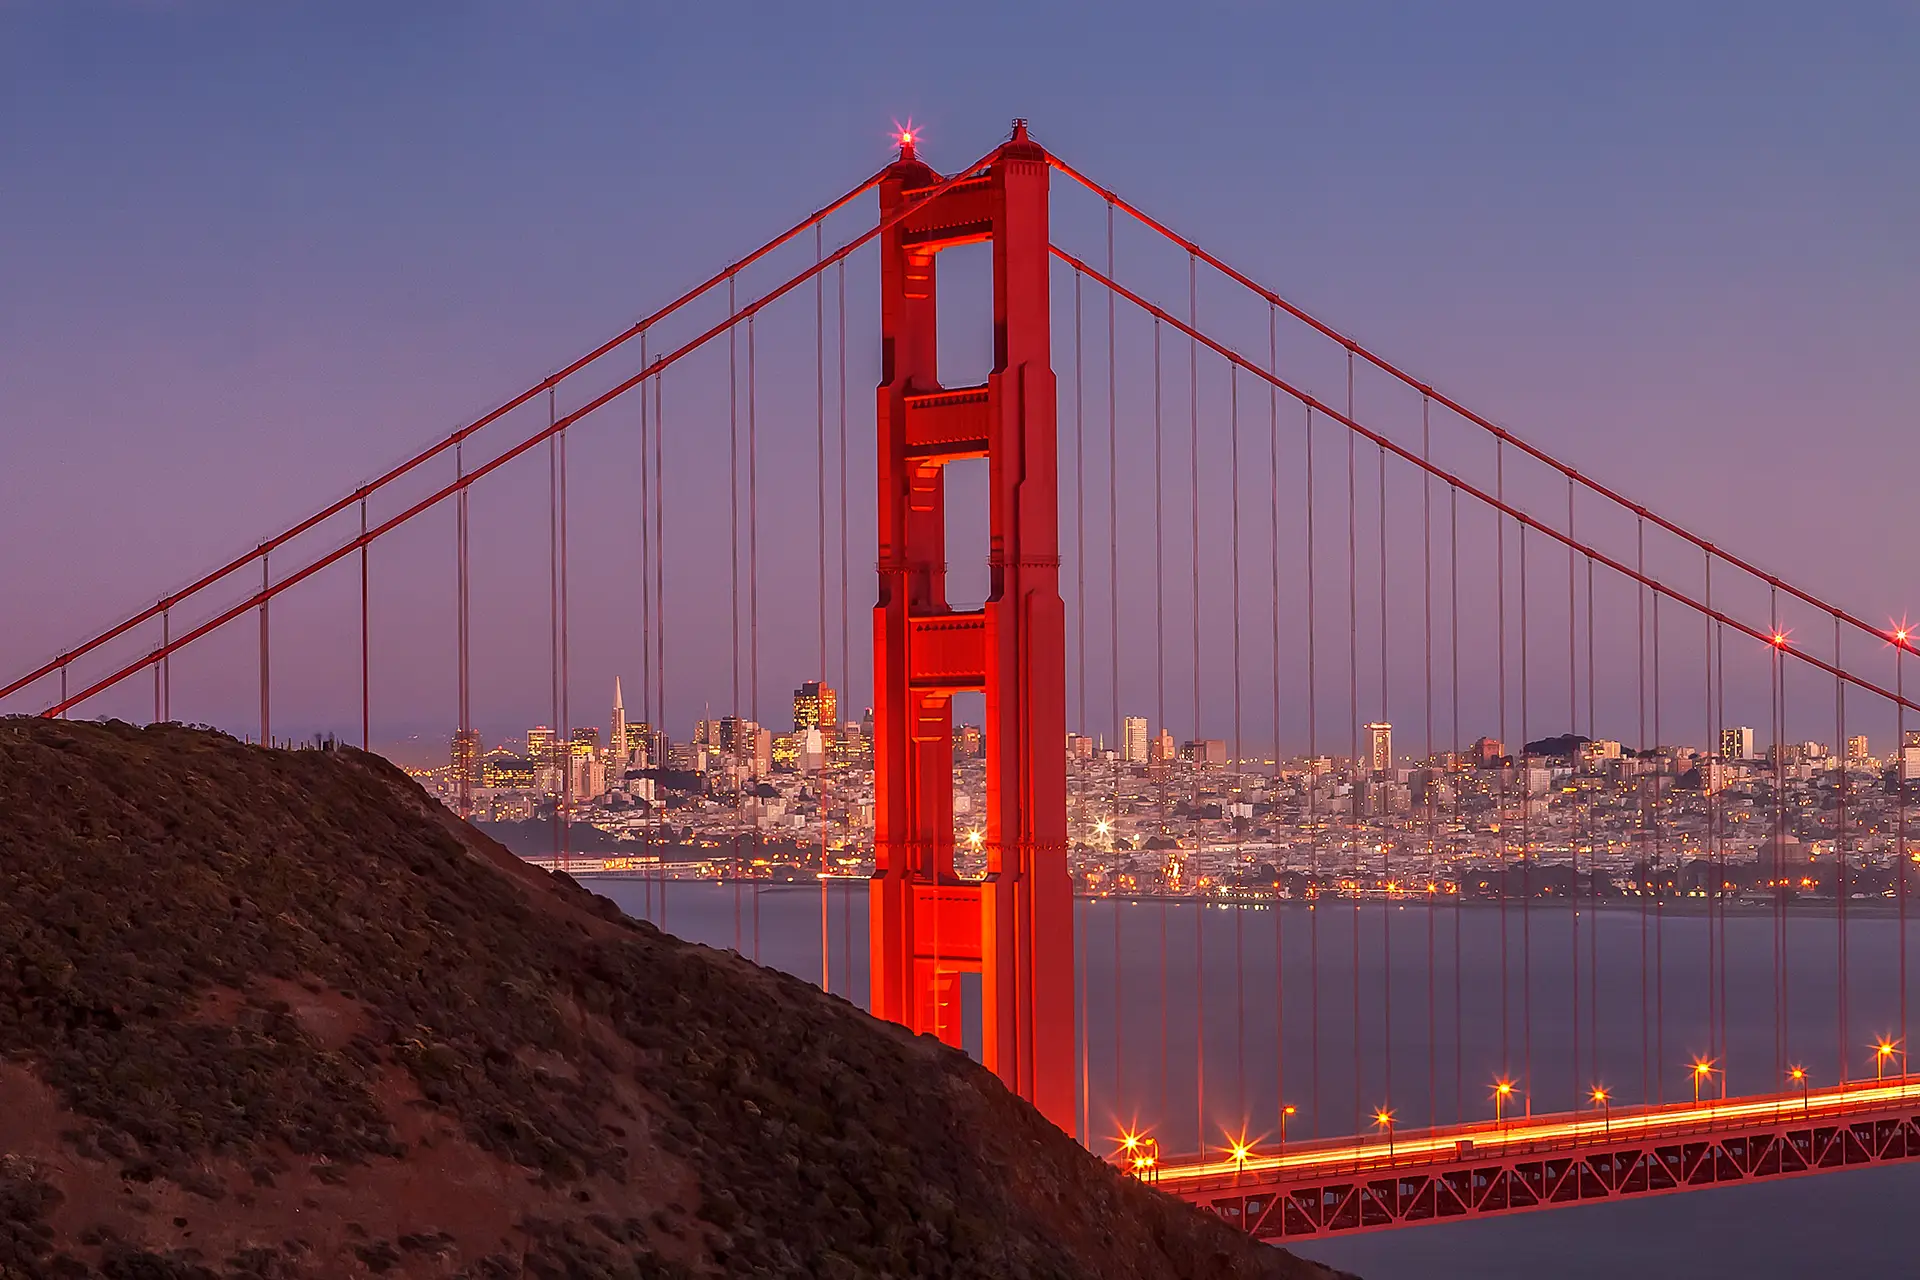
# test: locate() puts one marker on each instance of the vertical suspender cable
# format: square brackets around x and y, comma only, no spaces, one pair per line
[1313,778]
[1386,843]
[846,604]
[1713,812]
[1643,870]
[660,607]
[1239,752]
[557,750]
[366,648]
[753,611]
[648,736]
[1593,896]
[1526,844]
[1660,885]
[463,783]
[1426,593]
[1085,1036]
[1193,506]
[1720,720]
[266,679]
[1113,635]
[1453,703]
[1707,768]
[566,681]
[1901,858]
[1779,848]
[826,730]
[1500,784]
[1840,860]
[1273,803]
[1352,824]
[1079,509]
[733,542]
[1080,643]
[1164,764]
[1574,753]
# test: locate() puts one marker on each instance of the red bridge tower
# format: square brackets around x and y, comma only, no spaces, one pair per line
[1015,928]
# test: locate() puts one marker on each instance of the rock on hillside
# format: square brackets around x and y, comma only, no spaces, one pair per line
[278,1014]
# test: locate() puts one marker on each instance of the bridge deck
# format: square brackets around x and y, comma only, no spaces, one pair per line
[1542,1161]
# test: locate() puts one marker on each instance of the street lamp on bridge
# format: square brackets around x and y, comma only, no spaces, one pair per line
[1882,1052]
[1285,1112]
[1799,1076]
[1502,1090]
[1141,1154]
[1702,1070]
[1603,1100]
[1383,1118]
[1239,1149]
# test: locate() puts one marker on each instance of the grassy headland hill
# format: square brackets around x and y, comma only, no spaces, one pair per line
[278,1014]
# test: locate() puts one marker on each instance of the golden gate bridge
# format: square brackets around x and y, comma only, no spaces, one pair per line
[1296,571]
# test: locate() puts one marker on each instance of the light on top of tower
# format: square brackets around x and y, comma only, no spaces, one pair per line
[906,136]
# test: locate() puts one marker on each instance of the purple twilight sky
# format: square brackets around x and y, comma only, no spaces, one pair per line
[252,254]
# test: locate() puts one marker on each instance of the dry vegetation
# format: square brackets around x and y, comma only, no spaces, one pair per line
[277,1014]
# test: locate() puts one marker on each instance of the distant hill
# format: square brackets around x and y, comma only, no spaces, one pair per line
[278,1014]
[1563,746]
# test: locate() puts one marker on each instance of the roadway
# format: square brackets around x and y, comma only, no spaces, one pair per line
[1313,1161]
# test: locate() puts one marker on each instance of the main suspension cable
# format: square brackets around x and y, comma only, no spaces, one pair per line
[1354,348]
[359,496]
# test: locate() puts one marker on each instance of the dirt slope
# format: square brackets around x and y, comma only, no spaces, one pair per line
[278,1014]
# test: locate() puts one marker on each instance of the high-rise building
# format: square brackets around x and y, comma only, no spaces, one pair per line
[506,773]
[968,742]
[1211,751]
[1487,751]
[745,744]
[466,762]
[1161,747]
[646,747]
[1133,739]
[549,762]
[810,753]
[618,749]
[539,744]
[815,706]
[587,771]
[1736,742]
[1379,747]
[1857,747]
